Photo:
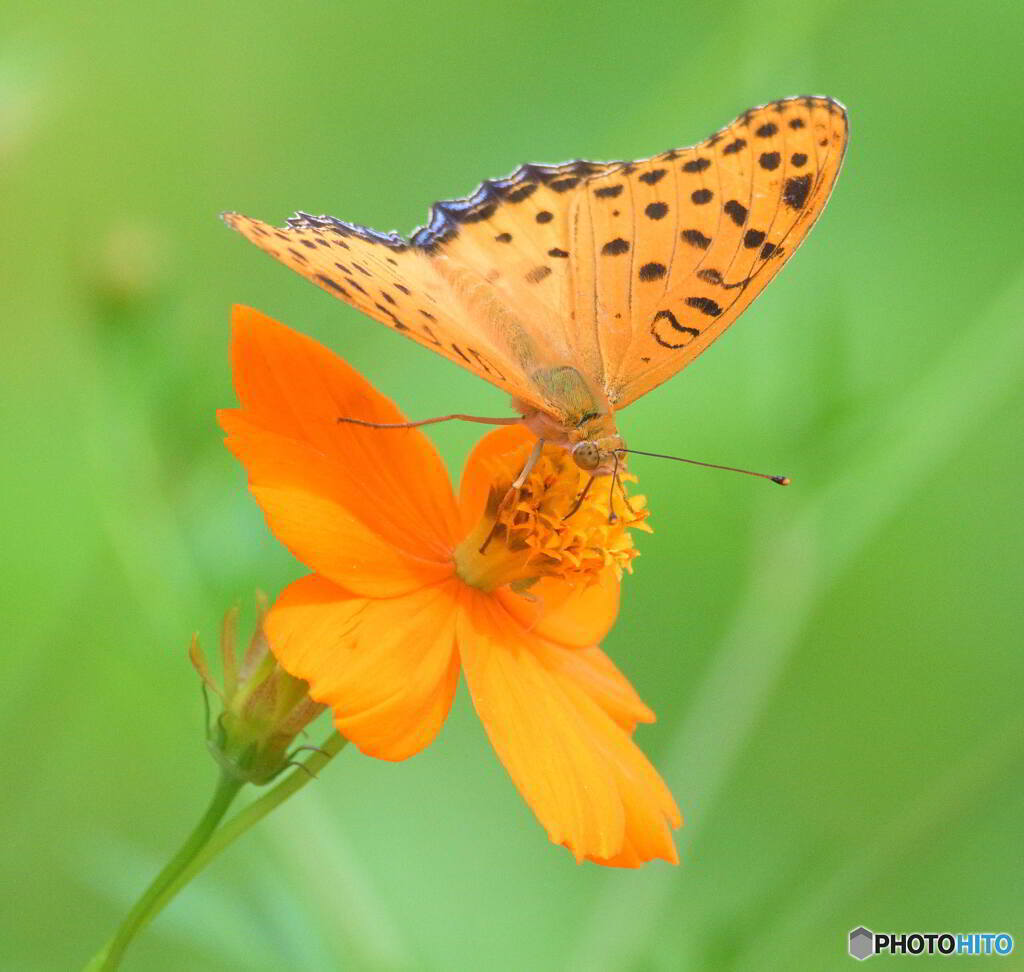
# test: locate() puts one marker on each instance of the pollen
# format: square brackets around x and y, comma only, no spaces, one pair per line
[559,523]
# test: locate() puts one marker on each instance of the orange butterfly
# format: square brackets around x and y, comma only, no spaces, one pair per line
[577,288]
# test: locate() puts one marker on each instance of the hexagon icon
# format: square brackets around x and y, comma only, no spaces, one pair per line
[862,943]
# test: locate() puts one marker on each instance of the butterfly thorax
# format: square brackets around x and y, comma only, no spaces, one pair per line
[592,439]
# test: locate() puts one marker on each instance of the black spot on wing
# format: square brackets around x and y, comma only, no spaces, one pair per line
[656,210]
[701,196]
[615,247]
[398,324]
[769,160]
[767,130]
[333,284]
[652,271]
[475,214]
[678,337]
[753,238]
[655,175]
[562,185]
[521,193]
[736,211]
[696,238]
[544,216]
[607,192]
[705,305]
[697,165]
[795,193]
[798,160]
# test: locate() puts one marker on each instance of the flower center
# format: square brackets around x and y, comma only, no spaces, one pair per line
[536,532]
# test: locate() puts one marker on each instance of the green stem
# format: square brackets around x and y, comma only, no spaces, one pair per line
[205,843]
[253,814]
[140,915]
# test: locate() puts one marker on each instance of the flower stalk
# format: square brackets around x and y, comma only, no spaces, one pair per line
[206,842]
[144,909]
[264,709]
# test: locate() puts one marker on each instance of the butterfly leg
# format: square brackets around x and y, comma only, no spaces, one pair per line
[625,497]
[612,515]
[430,421]
[510,498]
[580,498]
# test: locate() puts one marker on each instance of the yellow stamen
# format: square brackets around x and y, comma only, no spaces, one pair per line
[520,539]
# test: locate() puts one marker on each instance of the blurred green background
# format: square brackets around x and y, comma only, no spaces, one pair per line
[836,667]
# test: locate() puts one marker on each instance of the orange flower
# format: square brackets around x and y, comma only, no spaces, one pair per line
[401,596]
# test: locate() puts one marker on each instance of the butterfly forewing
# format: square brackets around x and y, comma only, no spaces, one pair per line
[747,198]
[515,234]
[391,281]
[583,286]
[628,250]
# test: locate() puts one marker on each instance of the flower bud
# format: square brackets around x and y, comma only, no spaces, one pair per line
[263,707]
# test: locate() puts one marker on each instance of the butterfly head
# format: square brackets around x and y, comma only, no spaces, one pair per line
[587,455]
[598,455]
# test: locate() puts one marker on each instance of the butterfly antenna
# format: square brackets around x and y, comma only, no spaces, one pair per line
[778,480]
[432,421]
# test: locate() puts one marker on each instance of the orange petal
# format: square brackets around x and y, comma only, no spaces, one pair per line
[575,616]
[590,786]
[594,672]
[293,387]
[491,453]
[387,669]
[302,492]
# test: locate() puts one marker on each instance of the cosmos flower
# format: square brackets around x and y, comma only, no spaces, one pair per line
[411,584]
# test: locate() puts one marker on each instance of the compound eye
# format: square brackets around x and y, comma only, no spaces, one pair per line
[586,455]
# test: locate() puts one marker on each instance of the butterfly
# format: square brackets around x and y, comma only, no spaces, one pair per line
[579,287]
